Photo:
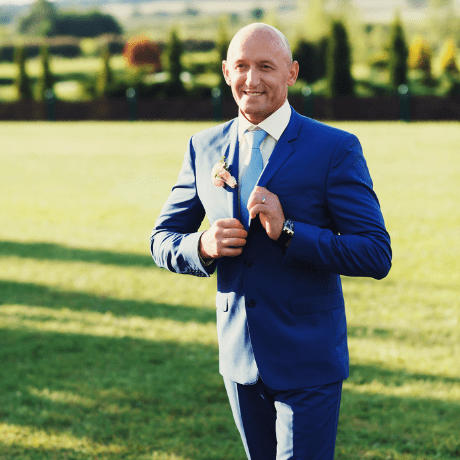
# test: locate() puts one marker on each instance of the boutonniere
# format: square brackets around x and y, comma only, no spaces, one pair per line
[221,174]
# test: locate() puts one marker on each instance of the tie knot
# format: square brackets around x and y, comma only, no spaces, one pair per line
[255,138]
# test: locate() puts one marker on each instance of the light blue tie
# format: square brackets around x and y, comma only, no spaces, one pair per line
[252,173]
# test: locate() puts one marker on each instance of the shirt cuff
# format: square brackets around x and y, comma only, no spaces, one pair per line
[204,262]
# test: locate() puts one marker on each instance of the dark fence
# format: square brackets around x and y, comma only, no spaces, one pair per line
[421,108]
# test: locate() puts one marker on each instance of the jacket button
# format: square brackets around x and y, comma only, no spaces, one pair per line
[247,263]
[251,303]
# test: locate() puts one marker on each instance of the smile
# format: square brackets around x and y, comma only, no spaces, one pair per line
[253,93]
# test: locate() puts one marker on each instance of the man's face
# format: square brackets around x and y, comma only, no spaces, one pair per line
[259,71]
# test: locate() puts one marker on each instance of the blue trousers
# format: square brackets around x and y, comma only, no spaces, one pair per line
[281,425]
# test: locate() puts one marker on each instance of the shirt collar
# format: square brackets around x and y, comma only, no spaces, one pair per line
[274,125]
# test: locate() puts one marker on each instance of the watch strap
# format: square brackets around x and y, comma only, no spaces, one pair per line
[286,234]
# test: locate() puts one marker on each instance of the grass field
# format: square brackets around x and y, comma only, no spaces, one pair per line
[105,356]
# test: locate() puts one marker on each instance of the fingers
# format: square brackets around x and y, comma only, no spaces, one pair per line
[260,195]
[261,201]
[229,228]
[229,223]
[256,209]
[267,205]
[225,238]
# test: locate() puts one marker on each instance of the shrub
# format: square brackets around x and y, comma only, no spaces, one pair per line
[67,50]
[142,53]
[7,53]
[379,61]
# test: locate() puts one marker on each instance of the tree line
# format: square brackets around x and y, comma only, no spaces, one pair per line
[44,19]
[328,59]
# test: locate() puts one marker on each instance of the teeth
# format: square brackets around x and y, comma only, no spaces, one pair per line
[253,94]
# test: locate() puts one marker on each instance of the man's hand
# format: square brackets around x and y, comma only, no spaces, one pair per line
[270,211]
[225,238]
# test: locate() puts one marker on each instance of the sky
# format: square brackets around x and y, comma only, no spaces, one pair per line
[25,2]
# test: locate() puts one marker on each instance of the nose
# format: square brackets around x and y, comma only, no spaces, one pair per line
[252,77]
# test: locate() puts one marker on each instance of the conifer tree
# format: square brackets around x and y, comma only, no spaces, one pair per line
[23,83]
[420,57]
[338,71]
[105,78]
[175,51]
[398,55]
[45,81]
[448,58]
[222,46]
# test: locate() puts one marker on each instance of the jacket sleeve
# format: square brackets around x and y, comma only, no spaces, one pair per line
[359,245]
[175,237]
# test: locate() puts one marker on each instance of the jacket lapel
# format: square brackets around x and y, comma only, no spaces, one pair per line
[281,153]
[283,149]
[230,151]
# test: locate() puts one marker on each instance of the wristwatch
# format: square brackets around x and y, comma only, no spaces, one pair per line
[286,234]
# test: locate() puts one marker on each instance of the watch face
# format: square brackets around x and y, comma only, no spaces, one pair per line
[289,227]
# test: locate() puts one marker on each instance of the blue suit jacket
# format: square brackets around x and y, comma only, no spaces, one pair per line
[280,312]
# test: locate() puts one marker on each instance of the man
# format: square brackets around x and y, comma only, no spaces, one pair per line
[279,239]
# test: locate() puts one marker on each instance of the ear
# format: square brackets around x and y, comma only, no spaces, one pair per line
[226,72]
[293,73]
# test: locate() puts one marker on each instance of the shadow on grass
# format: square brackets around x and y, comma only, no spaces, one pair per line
[362,374]
[148,396]
[406,335]
[378,426]
[15,293]
[103,392]
[51,251]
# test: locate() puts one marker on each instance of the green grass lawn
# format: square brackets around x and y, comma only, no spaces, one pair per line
[105,356]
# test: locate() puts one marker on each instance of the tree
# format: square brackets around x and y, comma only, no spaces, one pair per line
[311,58]
[420,56]
[92,24]
[40,20]
[398,55]
[448,55]
[257,14]
[175,86]
[338,67]
[45,20]
[23,84]
[222,47]
[45,82]
[105,78]
[304,54]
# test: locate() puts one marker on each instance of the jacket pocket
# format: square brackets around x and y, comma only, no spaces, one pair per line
[317,303]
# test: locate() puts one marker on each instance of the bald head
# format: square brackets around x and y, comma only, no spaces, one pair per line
[259,69]
[265,33]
